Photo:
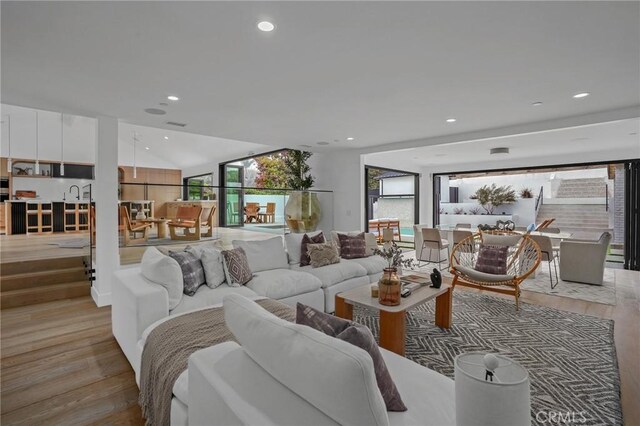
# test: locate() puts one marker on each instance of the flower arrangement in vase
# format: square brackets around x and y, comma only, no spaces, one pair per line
[389,285]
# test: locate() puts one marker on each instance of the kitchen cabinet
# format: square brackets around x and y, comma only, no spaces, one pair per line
[159,185]
[73,171]
[36,217]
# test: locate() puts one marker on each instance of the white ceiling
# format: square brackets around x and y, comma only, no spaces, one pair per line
[378,71]
[618,136]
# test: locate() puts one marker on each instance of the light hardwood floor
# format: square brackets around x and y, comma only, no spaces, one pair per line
[61,364]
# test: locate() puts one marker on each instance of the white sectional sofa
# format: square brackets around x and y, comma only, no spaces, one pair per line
[138,302]
[288,374]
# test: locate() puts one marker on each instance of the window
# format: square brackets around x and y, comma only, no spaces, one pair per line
[199,187]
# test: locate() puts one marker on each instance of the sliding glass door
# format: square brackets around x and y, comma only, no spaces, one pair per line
[233,198]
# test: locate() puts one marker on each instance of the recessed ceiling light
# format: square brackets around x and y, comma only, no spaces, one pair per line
[166,138]
[500,150]
[323,143]
[305,146]
[163,104]
[633,133]
[155,111]
[266,26]
[173,98]
[581,95]
[350,139]
[147,148]
[451,120]
[538,103]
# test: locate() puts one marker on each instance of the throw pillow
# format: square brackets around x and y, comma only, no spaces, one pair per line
[306,240]
[352,247]
[192,271]
[292,242]
[323,254]
[360,336]
[165,271]
[236,267]
[211,259]
[492,259]
[264,255]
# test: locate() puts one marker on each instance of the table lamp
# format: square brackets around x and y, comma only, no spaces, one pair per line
[491,390]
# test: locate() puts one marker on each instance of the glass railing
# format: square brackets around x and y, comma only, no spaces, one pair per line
[173,216]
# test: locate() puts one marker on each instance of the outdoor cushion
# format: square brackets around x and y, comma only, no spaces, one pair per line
[500,240]
[282,283]
[483,276]
[336,273]
[492,259]
[373,264]
[263,255]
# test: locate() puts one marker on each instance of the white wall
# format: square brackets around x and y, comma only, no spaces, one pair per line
[53,189]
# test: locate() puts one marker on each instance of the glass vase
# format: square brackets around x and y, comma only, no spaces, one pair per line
[389,287]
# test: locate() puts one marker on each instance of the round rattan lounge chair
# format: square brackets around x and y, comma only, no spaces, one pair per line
[523,258]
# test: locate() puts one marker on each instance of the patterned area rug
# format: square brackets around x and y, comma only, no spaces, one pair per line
[571,358]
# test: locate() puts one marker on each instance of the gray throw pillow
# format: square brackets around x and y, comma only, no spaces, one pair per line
[323,254]
[357,335]
[211,259]
[306,240]
[236,267]
[352,247]
[192,271]
[492,259]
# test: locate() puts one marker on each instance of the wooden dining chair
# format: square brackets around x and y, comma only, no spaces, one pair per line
[188,220]
[270,215]
[251,211]
[132,229]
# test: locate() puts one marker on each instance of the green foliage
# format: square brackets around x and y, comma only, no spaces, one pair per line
[298,171]
[493,196]
[393,255]
[372,182]
[271,174]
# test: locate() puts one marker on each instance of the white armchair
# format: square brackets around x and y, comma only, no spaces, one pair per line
[583,261]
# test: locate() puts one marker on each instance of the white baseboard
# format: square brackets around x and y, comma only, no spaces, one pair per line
[100,300]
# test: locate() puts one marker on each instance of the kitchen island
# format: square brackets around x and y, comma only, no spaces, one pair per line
[46,216]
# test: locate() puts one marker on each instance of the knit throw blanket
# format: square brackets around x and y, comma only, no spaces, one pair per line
[169,346]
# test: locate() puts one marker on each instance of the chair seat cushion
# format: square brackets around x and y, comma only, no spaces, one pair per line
[282,283]
[333,274]
[482,276]
[373,264]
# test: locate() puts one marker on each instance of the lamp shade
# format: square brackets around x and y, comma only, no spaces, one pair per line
[479,401]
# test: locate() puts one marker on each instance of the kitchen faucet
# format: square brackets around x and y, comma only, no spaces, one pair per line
[78,188]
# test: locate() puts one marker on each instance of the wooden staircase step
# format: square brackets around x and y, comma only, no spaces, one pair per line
[30,296]
[12,268]
[42,278]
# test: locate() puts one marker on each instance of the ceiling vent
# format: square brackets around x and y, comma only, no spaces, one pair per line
[175,123]
[499,151]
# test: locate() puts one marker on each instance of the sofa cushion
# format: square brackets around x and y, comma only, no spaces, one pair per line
[192,271]
[370,240]
[352,247]
[263,255]
[323,254]
[373,264]
[165,271]
[236,267]
[282,283]
[212,264]
[360,336]
[333,274]
[294,243]
[305,259]
[309,363]
[207,297]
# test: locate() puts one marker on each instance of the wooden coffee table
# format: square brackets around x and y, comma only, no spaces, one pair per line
[393,318]
[161,225]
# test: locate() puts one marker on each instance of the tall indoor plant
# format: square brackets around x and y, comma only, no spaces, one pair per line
[302,211]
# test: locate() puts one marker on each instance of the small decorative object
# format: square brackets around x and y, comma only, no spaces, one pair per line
[389,285]
[436,278]
[374,290]
[491,390]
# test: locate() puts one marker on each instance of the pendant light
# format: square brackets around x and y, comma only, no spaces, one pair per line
[135,139]
[61,144]
[37,142]
[9,161]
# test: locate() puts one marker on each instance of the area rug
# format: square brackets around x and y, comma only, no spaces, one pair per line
[571,358]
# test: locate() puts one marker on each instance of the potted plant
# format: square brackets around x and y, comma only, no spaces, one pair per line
[494,196]
[458,210]
[526,193]
[302,211]
[389,285]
